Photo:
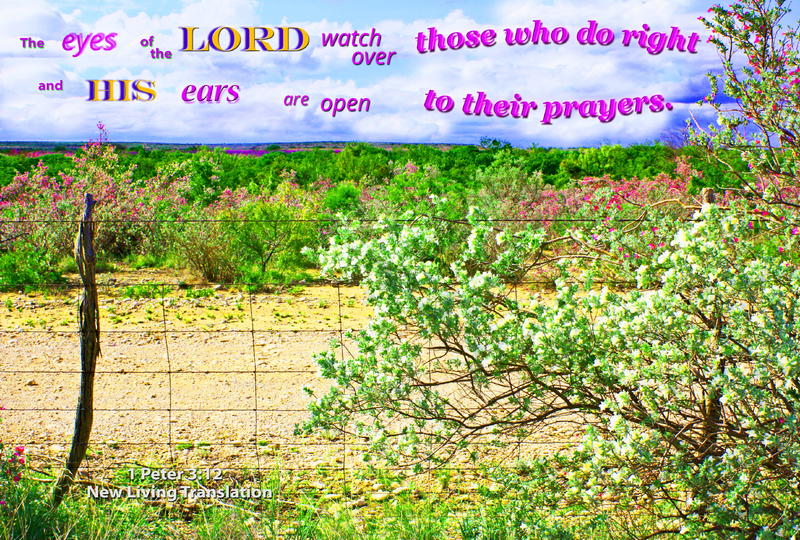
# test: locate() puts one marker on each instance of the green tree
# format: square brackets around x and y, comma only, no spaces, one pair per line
[759,115]
[262,232]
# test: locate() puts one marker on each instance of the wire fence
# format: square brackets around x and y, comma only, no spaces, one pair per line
[207,376]
[232,375]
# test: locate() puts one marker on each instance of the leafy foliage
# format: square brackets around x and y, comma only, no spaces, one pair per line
[23,268]
[759,116]
[685,385]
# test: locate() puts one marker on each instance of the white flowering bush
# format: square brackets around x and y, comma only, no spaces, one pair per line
[684,388]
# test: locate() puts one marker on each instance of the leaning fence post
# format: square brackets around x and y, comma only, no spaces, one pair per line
[89,320]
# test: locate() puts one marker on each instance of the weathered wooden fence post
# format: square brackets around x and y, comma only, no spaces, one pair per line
[89,320]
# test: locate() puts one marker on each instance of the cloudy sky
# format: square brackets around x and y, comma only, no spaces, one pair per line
[397,92]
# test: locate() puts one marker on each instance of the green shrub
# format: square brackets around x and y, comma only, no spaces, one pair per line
[147,260]
[344,198]
[205,248]
[199,293]
[143,290]
[25,268]
[506,183]
[264,235]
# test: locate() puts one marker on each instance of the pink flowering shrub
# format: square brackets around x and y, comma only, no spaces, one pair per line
[606,199]
[44,208]
[761,73]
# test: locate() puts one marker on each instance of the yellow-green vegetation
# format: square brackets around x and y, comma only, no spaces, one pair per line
[390,507]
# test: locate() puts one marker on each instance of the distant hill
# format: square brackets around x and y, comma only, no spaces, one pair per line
[70,146]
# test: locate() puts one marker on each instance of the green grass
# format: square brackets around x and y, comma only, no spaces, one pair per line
[213,523]
[199,293]
[28,514]
[67,265]
[105,267]
[276,280]
[147,260]
[27,269]
[288,514]
[143,290]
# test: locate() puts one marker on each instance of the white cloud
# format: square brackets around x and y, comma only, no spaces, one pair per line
[536,72]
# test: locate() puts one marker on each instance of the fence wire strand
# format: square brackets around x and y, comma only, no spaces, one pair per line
[169,337]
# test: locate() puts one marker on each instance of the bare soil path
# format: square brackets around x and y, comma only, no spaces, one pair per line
[196,377]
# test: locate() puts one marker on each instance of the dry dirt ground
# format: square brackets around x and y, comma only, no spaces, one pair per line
[214,381]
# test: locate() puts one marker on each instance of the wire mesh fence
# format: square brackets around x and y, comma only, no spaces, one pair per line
[213,382]
[206,376]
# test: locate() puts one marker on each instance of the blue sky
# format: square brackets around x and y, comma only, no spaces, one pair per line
[396,92]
